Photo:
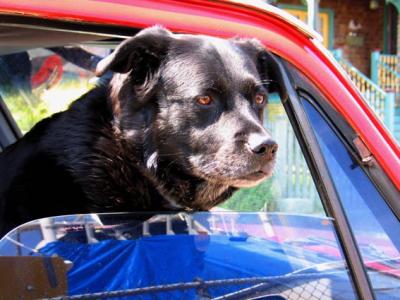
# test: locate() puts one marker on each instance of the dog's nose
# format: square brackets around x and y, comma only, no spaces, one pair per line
[267,148]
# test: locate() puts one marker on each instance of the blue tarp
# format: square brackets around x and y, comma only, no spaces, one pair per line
[111,265]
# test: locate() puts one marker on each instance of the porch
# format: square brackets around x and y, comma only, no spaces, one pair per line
[364,36]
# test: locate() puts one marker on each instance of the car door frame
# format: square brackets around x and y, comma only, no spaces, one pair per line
[300,125]
[323,182]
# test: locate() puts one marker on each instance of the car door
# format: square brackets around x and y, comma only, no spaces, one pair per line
[303,190]
[362,199]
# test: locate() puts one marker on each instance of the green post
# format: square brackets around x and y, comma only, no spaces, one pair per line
[374,66]
[338,54]
[389,111]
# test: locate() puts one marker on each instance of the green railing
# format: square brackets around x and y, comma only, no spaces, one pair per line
[297,192]
[385,71]
[379,100]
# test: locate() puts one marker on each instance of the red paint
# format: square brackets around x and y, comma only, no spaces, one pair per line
[226,19]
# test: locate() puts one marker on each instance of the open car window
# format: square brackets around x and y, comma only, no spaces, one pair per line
[273,239]
[37,82]
[277,238]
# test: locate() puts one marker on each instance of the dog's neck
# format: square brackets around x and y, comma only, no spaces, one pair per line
[172,188]
[193,193]
[180,190]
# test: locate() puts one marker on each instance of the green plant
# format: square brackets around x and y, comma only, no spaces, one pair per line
[29,108]
[26,112]
[252,199]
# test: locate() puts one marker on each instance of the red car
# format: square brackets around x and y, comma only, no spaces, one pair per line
[329,216]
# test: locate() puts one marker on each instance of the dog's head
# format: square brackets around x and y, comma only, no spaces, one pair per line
[195,102]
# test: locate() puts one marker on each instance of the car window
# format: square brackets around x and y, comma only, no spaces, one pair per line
[376,228]
[39,82]
[8,129]
[178,256]
[287,232]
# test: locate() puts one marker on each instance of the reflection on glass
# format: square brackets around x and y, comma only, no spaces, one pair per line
[185,256]
[375,227]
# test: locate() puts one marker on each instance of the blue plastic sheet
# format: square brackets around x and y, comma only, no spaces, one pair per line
[112,265]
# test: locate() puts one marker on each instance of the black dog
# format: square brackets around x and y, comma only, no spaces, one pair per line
[179,127]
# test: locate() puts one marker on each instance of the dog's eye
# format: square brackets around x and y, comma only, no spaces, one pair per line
[259,99]
[204,100]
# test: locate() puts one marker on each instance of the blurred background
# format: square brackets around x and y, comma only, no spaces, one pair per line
[364,37]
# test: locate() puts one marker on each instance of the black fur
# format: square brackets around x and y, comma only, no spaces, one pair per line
[144,142]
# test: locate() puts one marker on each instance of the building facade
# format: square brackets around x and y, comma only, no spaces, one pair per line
[358,27]
[364,36]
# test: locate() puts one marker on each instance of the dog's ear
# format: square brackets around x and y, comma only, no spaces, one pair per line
[142,53]
[264,61]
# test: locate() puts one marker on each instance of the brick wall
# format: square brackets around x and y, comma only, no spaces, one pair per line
[371,31]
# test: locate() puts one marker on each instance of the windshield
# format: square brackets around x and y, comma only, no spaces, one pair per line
[213,255]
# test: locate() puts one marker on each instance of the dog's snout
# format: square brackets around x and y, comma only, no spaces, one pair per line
[267,148]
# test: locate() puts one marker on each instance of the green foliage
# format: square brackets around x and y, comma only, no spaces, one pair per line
[252,199]
[29,108]
[26,111]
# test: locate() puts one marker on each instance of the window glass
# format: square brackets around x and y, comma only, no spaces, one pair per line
[37,83]
[184,256]
[375,227]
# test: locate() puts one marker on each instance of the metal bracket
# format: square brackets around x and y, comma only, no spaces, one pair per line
[364,153]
